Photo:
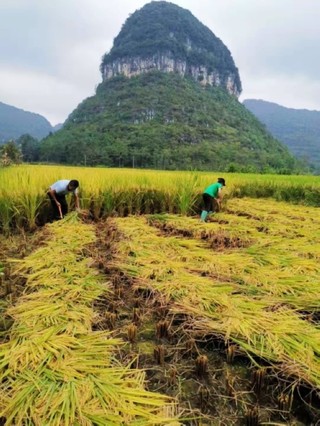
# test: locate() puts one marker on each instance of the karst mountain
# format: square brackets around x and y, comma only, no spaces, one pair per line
[168,100]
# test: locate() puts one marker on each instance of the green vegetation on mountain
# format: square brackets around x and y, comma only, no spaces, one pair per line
[299,129]
[161,120]
[163,27]
[26,149]
[15,122]
[144,115]
[30,148]
[10,154]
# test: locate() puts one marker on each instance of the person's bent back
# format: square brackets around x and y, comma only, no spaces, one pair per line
[57,193]
[212,197]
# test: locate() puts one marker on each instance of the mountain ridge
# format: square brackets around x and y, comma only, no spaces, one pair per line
[162,118]
[14,122]
[165,37]
[298,129]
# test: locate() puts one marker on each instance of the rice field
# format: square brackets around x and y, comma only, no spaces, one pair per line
[141,314]
[54,369]
[119,192]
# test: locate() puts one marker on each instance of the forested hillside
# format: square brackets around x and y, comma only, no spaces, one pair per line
[15,122]
[168,100]
[159,120]
[299,129]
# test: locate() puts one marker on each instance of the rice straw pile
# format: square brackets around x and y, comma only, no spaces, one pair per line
[54,370]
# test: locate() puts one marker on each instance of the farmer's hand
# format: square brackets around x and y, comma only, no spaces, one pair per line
[58,204]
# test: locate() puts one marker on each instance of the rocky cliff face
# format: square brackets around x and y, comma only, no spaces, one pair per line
[164,62]
[164,37]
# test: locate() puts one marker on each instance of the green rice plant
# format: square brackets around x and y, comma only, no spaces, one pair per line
[312,196]
[109,206]
[290,193]
[27,209]
[6,214]
[152,200]
[187,195]
[256,189]
[131,191]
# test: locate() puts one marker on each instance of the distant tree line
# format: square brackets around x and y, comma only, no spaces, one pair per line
[25,149]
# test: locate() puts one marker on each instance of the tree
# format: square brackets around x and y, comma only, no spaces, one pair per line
[30,148]
[10,154]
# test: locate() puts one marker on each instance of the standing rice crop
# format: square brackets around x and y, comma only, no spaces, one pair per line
[118,192]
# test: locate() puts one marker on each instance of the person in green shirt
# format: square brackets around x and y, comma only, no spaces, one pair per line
[212,194]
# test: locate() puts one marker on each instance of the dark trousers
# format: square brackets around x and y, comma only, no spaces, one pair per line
[210,204]
[64,205]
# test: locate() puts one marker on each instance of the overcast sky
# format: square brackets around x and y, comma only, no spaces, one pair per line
[50,50]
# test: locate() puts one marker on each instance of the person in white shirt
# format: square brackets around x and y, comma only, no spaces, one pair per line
[57,193]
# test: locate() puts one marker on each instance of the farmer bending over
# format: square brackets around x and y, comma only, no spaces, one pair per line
[57,194]
[212,197]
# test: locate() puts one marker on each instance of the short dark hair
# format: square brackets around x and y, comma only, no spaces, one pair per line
[74,183]
[222,181]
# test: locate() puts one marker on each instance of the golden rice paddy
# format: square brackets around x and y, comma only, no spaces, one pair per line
[150,316]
